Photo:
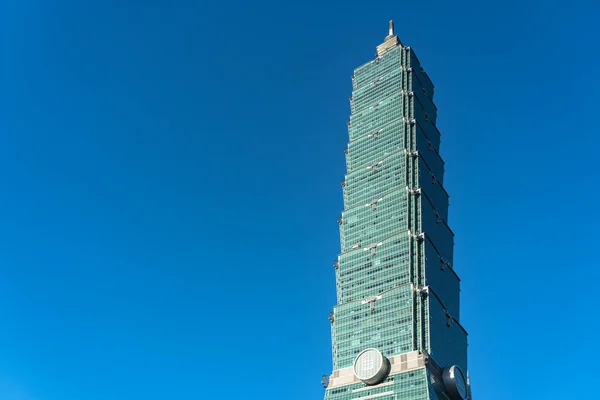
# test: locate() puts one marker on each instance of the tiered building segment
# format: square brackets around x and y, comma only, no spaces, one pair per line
[396,329]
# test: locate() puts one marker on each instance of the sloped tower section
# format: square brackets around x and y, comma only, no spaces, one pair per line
[396,331]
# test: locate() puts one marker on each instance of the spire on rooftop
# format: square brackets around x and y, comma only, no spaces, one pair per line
[390,41]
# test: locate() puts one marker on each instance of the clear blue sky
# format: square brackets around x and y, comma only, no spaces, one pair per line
[170,182]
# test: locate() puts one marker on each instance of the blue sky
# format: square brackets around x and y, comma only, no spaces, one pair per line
[170,183]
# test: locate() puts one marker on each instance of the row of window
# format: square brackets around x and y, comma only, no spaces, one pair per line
[377,116]
[377,90]
[376,145]
[368,72]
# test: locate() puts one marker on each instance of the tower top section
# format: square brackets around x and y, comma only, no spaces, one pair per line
[390,41]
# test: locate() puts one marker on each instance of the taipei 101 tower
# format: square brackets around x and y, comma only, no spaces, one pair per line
[396,331]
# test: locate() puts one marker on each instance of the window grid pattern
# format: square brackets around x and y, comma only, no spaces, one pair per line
[426,124]
[426,104]
[393,231]
[436,229]
[372,70]
[370,183]
[377,90]
[376,145]
[365,272]
[430,156]
[407,385]
[441,277]
[448,340]
[376,116]
[433,189]
[368,225]
[386,325]
[432,136]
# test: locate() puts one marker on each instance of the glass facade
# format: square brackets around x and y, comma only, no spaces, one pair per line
[397,290]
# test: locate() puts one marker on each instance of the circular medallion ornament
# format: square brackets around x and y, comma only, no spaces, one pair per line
[455,383]
[370,366]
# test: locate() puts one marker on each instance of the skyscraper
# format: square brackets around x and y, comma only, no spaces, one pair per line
[395,329]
